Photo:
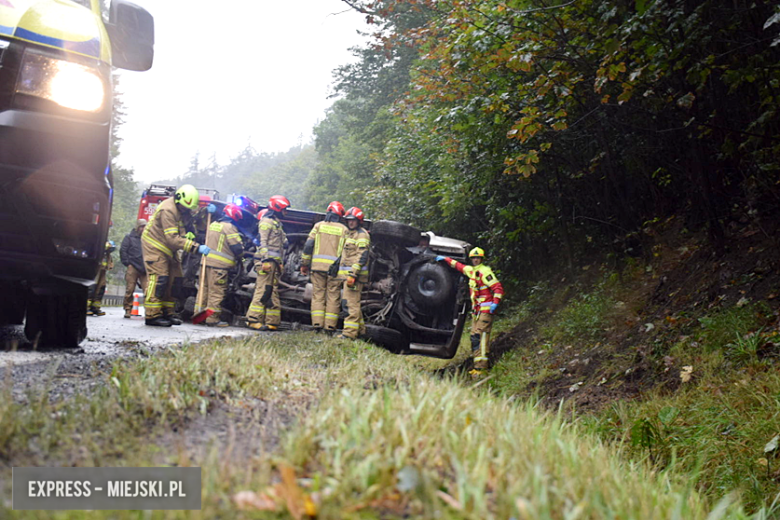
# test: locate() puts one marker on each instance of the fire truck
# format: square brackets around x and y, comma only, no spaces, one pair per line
[56,184]
[156,193]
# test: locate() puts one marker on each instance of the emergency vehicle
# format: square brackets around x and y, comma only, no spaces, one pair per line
[56,184]
[156,193]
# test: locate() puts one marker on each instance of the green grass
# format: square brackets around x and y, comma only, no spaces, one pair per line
[376,436]
[714,428]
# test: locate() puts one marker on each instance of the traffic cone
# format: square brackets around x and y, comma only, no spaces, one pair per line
[136,304]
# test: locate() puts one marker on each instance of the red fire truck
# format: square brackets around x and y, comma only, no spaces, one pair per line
[156,193]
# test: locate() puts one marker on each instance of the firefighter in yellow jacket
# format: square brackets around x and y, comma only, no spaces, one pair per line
[226,251]
[320,253]
[265,311]
[354,271]
[161,240]
[486,293]
[98,290]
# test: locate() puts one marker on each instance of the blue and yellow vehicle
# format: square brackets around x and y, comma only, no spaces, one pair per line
[56,185]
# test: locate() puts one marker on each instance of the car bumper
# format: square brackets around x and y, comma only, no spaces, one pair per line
[55,196]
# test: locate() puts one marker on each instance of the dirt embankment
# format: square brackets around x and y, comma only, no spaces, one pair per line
[684,279]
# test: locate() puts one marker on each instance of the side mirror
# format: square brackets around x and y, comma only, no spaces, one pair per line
[131,30]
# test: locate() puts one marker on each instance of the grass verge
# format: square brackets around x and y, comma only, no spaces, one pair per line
[375,437]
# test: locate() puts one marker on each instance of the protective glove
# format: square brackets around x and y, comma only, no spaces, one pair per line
[351,281]
[439,258]
[211,208]
[204,250]
[256,241]
[190,235]
[493,307]
[305,270]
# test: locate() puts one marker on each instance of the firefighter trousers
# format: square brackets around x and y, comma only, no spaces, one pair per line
[481,325]
[214,290]
[161,271]
[266,307]
[353,323]
[132,277]
[325,300]
[97,291]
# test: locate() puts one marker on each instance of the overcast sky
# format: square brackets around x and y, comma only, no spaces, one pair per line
[228,73]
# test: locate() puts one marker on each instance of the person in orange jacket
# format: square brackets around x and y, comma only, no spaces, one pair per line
[486,293]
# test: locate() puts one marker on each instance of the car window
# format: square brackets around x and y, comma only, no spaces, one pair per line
[85,3]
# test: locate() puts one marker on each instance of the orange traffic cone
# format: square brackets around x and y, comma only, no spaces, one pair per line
[136,304]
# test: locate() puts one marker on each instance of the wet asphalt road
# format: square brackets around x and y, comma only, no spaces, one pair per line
[64,373]
[112,334]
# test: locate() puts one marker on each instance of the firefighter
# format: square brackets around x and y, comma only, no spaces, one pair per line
[99,289]
[354,271]
[486,293]
[226,251]
[161,240]
[265,311]
[320,253]
[132,257]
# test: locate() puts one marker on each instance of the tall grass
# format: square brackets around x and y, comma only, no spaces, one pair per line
[375,437]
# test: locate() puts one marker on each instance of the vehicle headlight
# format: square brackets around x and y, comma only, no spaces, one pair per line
[70,85]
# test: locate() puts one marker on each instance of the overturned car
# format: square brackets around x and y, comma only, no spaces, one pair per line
[411,304]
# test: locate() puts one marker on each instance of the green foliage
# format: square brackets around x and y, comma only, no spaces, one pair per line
[584,318]
[744,349]
[547,133]
[718,329]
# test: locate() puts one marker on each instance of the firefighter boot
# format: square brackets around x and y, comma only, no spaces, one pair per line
[255,325]
[475,372]
[219,324]
[97,311]
[158,322]
[481,356]
[175,320]
[269,328]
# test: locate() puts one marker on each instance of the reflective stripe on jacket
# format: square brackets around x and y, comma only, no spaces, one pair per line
[354,257]
[163,232]
[484,287]
[328,238]
[219,238]
[272,237]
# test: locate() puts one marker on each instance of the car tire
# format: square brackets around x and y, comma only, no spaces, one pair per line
[430,285]
[387,338]
[403,234]
[57,319]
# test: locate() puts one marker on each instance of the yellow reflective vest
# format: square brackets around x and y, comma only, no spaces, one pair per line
[354,258]
[328,238]
[164,230]
[272,238]
[219,238]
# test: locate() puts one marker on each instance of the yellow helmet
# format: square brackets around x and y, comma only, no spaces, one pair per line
[476,253]
[187,196]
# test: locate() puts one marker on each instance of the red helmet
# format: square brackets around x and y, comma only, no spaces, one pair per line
[337,208]
[261,213]
[354,212]
[233,211]
[278,203]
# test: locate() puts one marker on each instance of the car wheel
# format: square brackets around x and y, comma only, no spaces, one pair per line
[430,285]
[390,339]
[403,234]
[57,319]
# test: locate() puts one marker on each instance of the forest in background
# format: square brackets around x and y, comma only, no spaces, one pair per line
[544,133]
